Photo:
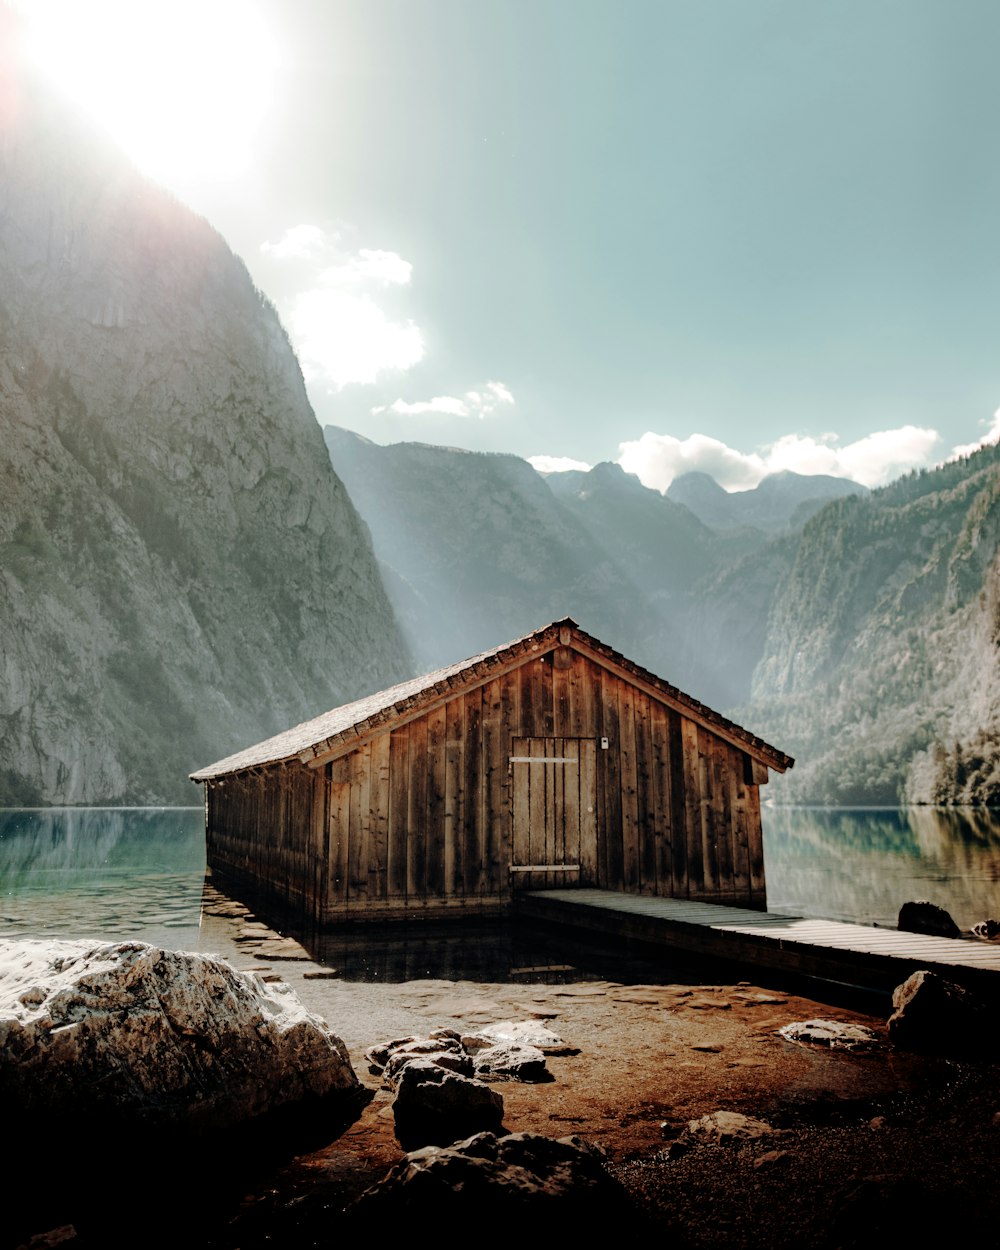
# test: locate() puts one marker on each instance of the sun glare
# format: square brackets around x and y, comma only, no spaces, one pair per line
[185,86]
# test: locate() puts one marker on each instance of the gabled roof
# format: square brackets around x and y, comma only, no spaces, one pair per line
[338,731]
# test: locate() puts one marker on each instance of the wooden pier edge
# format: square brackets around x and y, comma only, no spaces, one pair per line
[774,950]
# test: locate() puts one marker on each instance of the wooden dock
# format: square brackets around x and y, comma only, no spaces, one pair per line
[831,950]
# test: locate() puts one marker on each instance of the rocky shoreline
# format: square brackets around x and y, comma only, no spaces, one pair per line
[845,1143]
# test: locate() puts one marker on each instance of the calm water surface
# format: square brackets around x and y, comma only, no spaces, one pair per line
[861,864]
[138,873]
[103,872]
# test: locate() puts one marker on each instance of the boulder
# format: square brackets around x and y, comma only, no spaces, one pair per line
[443,1033]
[435,1107]
[509,1061]
[833,1033]
[924,917]
[934,1014]
[183,1067]
[556,1186]
[504,1061]
[155,1038]
[726,1128]
[377,1056]
[454,1059]
[521,1032]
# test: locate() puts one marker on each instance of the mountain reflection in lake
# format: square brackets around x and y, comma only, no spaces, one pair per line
[138,873]
[863,864]
[103,872]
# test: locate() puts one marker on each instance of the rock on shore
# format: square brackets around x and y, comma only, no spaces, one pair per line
[155,1038]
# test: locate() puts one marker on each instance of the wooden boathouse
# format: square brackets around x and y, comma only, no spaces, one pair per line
[551,761]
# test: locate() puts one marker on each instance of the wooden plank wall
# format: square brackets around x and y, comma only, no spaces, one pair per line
[417,821]
[269,831]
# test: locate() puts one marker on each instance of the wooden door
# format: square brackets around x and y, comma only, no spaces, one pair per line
[554,817]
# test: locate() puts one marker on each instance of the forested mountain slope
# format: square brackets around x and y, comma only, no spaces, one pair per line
[863,642]
[181,573]
[880,666]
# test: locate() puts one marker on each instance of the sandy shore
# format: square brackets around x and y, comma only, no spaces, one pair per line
[855,1131]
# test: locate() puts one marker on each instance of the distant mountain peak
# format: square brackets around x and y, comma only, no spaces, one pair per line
[780,500]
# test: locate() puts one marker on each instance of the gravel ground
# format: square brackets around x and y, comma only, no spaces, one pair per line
[923,1167]
[867,1145]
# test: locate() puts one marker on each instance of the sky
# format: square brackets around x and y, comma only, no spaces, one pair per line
[734,235]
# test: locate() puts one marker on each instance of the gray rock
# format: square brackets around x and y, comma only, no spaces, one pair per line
[155,1039]
[452,1059]
[833,1033]
[509,1061]
[726,1128]
[196,1073]
[933,1014]
[377,1056]
[387,1059]
[559,1185]
[924,917]
[521,1032]
[434,1107]
[443,1033]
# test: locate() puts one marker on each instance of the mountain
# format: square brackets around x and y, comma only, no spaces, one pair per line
[475,547]
[778,502]
[478,548]
[863,640]
[880,669]
[181,572]
[662,544]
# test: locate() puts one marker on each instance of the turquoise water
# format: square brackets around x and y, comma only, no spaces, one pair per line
[862,864]
[120,872]
[103,872]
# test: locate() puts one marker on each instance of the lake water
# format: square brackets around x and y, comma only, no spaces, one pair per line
[94,872]
[138,873]
[862,864]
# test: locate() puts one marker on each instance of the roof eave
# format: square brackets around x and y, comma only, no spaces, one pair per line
[486,667]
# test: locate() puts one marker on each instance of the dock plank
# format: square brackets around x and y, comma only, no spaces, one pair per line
[831,949]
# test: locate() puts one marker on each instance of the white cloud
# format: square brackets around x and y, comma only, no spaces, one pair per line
[343,337]
[557,464]
[341,332]
[884,455]
[656,459]
[479,403]
[447,405]
[992,435]
[369,265]
[500,392]
[297,241]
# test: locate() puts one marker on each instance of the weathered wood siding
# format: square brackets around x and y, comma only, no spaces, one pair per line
[268,830]
[421,820]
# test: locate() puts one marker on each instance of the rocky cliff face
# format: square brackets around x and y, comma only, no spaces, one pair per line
[477,551]
[881,669]
[862,640]
[181,573]
[480,548]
